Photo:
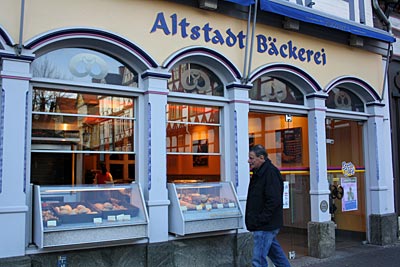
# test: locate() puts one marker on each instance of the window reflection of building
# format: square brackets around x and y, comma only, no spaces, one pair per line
[272,89]
[84,128]
[195,79]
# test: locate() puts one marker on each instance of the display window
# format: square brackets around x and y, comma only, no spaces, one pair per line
[193,134]
[79,134]
[193,130]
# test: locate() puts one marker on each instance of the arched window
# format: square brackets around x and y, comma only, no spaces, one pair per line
[77,129]
[193,130]
[83,65]
[272,89]
[340,98]
[195,79]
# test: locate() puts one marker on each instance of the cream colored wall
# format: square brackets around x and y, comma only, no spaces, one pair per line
[133,19]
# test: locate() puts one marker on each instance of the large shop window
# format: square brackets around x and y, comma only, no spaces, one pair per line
[193,143]
[272,89]
[74,132]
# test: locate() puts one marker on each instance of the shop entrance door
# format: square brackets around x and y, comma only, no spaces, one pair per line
[285,138]
[346,177]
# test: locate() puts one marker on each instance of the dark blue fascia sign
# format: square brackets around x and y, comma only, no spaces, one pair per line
[306,14]
[266,45]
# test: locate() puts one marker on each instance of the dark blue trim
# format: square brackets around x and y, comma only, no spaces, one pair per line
[242,2]
[5,37]
[205,50]
[12,56]
[309,15]
[317,96]
[239,85]
[353,80]
[276,67]
[105,34]
[155,75]
[375,104]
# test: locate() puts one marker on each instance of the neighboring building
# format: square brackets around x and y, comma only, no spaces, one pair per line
[392,10]
[169,95]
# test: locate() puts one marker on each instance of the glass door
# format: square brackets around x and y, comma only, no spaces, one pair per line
[346,177]
[285,138]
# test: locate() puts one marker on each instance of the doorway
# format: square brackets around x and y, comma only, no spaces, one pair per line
[346,178]
[285,138]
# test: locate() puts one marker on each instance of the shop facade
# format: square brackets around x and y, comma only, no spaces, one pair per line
[165,97]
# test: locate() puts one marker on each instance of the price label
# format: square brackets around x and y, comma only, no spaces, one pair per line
[97,220]
[111,218]
[220,206]
[231,205]
[199,207]
[120,217]
[127,217]
[208,207]
[52,223]
[183,208]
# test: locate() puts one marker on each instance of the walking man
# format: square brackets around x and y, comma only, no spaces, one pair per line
[264,211]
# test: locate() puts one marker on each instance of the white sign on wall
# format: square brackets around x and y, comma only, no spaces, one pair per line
[285,194]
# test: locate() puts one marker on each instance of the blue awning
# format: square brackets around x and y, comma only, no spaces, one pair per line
[242,2]
[310,15]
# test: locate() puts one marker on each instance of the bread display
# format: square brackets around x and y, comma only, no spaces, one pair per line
[196,201]
[73,212]
[114,206]
[68,210]
[49,215]
[107,206]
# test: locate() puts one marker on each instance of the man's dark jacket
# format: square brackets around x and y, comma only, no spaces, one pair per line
[264,199]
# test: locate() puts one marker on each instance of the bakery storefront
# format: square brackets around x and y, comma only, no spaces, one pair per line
[163,99]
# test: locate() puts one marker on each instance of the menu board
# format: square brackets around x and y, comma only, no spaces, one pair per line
[291,144]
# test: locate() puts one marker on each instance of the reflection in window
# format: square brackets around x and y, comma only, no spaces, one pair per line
[83,65]
[195,79]
[72,129]
[193,143]
[271,89]
[87,121]
[340,98]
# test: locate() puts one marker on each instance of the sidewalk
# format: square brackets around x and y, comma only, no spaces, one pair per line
[370,255]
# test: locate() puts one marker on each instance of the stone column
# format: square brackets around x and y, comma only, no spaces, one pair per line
[321,230]
[152,144]
[15,76]
[380,198]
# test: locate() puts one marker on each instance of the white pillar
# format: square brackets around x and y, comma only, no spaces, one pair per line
[238,134]
[15,76]
[379,161]
[319,187]
[152,144]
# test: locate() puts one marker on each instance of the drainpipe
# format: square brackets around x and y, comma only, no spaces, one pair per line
[18,47]
[244,79]
[252,40]
[386,21]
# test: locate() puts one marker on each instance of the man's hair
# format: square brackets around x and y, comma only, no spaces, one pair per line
[259,150]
